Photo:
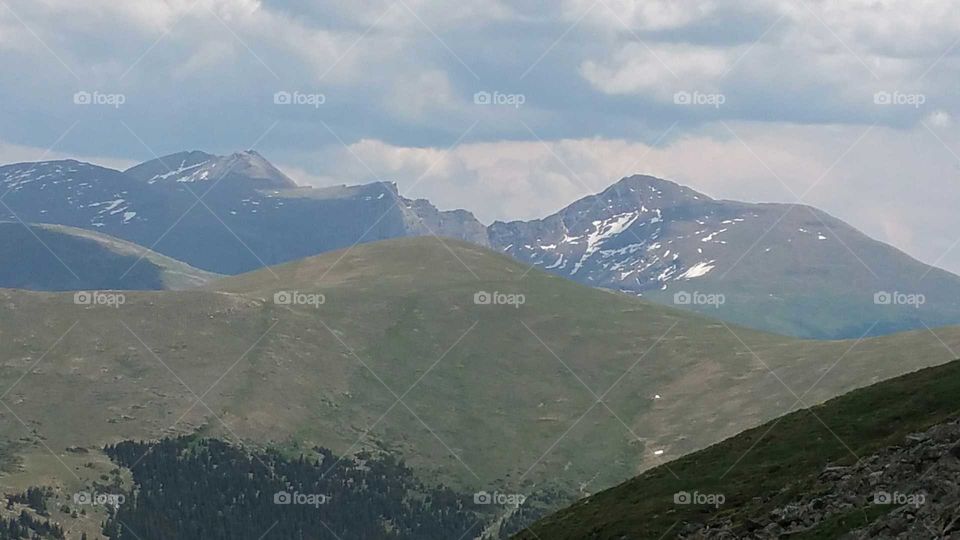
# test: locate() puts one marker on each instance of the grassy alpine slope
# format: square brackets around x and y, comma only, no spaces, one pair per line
[492,396]
[68,258]
[767,466]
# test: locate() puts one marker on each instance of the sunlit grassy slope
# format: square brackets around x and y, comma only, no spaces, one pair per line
[577,387]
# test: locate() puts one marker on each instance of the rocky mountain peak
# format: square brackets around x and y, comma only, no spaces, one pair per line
[197,166]
[648,191]
[251,164]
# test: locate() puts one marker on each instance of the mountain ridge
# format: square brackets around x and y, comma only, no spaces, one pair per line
[227,214]
[45,257]
[367,330]
[498,368]
[198,166]
[781,267]
[785,268]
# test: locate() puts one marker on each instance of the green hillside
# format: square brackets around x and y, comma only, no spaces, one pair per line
[768,466]
[494,397]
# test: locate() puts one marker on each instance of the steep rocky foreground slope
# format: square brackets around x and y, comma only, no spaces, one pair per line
[879,462]
[910,490]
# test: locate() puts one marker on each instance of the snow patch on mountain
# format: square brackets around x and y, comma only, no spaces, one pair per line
[710,236]
[178,174]
[603,230]
[557,264]
[697,270]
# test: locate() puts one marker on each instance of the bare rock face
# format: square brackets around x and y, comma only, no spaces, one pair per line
[904,492]
[426,219]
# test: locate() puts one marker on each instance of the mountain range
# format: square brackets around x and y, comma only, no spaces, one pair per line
[789,269]
[223,214]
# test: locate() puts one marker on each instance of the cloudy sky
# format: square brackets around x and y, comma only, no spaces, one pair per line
[514,109]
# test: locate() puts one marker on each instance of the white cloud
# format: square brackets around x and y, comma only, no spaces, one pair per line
[206,56]
[660,70]
[417,95]
[645,15]
[155,16]
[940,119]
[17,153]
[834,55]
[413,15]
[13,36]
[889,27]
[334,56]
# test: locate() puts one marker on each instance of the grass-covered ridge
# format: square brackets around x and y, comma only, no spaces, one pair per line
[69,258]
[781,458]
[494,397]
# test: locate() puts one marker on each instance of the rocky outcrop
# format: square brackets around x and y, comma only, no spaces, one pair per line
[906,491]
